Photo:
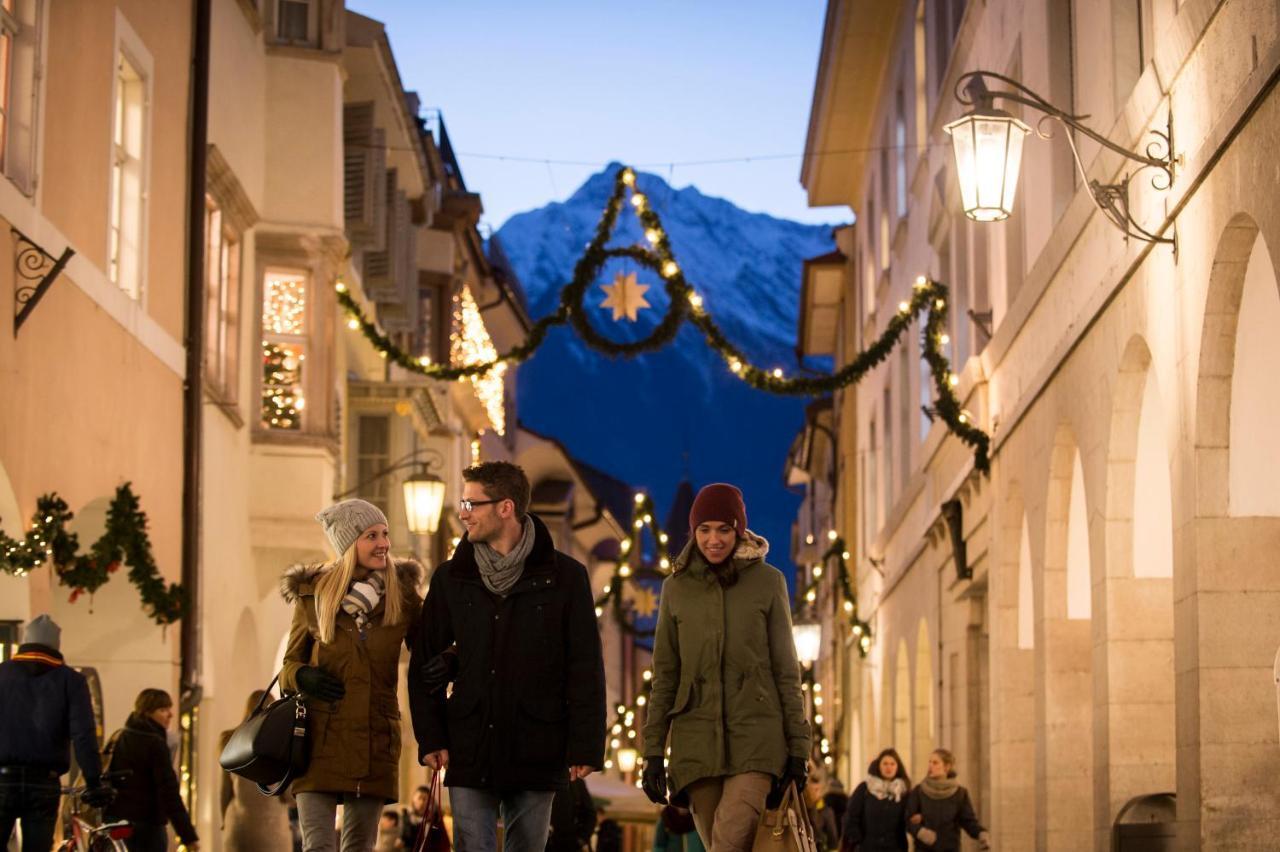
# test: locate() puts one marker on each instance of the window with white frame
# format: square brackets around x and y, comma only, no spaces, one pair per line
[19,64]
[373,456]
[128,177]
[285,328]
[296,21]
[222,303]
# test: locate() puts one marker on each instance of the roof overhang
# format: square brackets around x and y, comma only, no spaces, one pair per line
[821,290]
[857,42]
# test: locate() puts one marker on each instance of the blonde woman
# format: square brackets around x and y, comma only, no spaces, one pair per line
[350,619]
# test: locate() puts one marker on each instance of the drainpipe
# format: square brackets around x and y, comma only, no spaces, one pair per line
[193,387]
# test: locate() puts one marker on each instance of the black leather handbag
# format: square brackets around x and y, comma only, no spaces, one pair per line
[271,747]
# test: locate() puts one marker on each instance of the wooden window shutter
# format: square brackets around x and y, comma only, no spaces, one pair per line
[364,170]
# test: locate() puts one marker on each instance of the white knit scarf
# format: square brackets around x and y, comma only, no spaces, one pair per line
[362,598]
[883,788]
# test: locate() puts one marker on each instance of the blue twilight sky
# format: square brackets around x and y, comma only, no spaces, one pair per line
[590,81]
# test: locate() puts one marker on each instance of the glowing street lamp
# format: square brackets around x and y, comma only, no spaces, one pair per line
[423,502]
[808,638]
[988,148]
[627,757]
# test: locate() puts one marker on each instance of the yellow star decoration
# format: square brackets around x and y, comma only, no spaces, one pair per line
[626,296]
[644,602]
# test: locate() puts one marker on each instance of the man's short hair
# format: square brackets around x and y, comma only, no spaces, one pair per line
[502,480]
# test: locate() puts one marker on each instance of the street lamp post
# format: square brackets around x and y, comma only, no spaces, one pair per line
[423,491]
[987,143]
[807,636]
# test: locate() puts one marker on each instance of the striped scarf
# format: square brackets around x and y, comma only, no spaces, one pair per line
[362,598]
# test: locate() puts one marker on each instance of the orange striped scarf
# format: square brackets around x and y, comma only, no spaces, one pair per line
[39,657]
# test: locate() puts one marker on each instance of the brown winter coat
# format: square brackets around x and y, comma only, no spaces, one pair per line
[355,741]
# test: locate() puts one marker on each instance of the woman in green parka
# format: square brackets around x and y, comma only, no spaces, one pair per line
[726,683]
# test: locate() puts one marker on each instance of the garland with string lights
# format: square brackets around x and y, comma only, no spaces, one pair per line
[641,517]
[821,743]
[686,304]
[125,540]
[848,591]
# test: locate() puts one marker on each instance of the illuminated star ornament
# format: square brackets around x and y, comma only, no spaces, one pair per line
[626,296]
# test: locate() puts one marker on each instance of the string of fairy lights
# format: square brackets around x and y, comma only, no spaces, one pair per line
[838,553]
[686,304]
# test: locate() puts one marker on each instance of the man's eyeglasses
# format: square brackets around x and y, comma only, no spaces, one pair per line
[470,505]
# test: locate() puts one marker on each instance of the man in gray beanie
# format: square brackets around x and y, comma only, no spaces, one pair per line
[44,710]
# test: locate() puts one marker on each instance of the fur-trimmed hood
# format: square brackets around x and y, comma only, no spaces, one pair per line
[751,548]
[300,580]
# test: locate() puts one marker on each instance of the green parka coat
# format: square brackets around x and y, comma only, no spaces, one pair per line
[355,741]
[726,683]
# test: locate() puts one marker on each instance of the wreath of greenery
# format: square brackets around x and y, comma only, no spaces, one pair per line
[642,516]
[686,304]
[125,540]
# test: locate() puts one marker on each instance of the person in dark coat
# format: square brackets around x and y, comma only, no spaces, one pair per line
[44,709]
[675,832]
[148,796]
[938,808]
[527,712]
[573,819]
[875,819]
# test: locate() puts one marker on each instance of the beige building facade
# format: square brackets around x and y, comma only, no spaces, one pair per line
[1095,620]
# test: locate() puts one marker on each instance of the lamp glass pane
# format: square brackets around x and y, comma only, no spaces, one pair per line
[627,758]
[423,500]
[962,144]
[808,639]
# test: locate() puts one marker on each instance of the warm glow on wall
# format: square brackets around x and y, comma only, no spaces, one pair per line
[471,344]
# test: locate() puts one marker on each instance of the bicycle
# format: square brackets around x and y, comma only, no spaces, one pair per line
[86,837]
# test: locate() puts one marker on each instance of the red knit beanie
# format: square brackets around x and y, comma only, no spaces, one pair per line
[719,502]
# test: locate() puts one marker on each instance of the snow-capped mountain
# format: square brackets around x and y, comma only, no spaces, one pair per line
[676,413]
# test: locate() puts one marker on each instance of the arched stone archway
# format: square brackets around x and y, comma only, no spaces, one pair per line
[1064,661]
[923,739]
[1013,672]
[1134,699]
[1227,574]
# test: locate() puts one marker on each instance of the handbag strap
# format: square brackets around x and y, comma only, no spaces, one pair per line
[435,806]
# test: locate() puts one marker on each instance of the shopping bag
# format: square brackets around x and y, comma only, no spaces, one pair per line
[785,828]
[432,836]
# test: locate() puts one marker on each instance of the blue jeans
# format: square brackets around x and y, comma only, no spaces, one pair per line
[526,818]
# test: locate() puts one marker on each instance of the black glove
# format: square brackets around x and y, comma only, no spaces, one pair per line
[654,780]
[439,670]
[318,683]
[98,796]
[797,772]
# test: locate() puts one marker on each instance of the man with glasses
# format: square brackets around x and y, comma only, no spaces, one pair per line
[527,711]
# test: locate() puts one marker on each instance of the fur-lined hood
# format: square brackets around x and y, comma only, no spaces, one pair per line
[752,548]
[300,580]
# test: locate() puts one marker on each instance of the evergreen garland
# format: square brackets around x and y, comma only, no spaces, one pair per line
[685,304]
[641,517]
[124,540]
[848,592]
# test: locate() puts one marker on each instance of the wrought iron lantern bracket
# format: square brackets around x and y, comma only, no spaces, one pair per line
[1110,198]
[35,270]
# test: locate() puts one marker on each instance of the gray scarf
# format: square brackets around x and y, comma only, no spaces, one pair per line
[362,598]
[939,788]
[499,572]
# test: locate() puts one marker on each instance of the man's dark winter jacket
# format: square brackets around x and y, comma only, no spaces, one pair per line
[872,824]
[44,710]
[528,700]
[150,793]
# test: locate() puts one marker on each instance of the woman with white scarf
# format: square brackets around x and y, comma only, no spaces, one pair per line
[350,618]
[876,818]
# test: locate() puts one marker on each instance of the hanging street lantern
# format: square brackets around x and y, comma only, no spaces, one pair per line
[627,757]
[423,502]
[808,638]
[987,143]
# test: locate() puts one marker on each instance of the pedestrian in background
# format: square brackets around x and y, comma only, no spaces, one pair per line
[876,817]
[389,839]
[726,683]
[527,713]
[826,830]
[350,618]
[411,817]
[573,819]
[45,709]
[148,795]
[837,800]
[675,832]
[939,808]
[250,820]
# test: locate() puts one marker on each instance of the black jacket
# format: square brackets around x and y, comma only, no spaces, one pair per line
[45,709]
[875,825]
[149,794]
[528,700]
[945,816]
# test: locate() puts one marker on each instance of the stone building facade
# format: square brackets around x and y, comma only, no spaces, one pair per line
[1110,631]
